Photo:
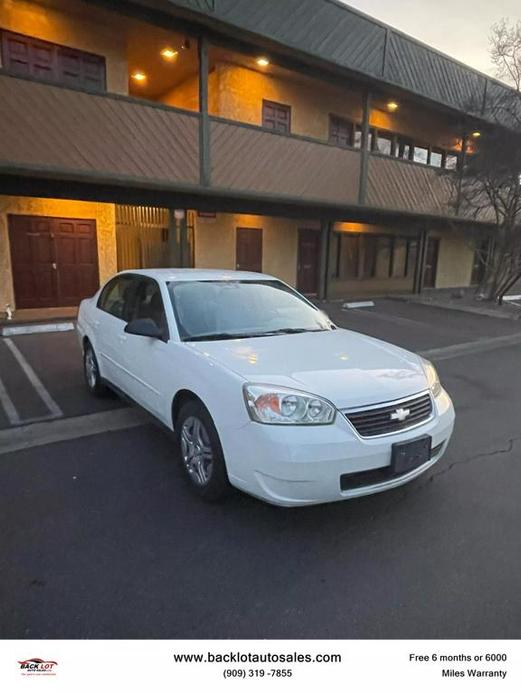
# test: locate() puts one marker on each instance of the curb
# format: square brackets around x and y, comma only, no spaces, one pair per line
[489,313]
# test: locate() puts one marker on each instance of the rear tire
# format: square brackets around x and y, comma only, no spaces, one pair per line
[200,452]
[91,373]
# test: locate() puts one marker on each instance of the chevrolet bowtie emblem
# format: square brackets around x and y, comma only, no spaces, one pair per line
[400,415]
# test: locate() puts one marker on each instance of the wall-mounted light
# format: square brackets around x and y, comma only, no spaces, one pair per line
[169,53]
[262,61]
[476,134]
[139,76]
[392,106]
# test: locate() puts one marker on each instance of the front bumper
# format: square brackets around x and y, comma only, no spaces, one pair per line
[303,465]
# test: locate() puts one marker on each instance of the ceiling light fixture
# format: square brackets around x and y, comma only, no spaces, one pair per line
[476,134]
[139,76]
[392,106]
[169,53]
[262,61]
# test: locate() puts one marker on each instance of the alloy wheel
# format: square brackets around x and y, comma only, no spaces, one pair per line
[196,451]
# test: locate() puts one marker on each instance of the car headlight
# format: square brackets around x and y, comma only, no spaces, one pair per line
[432,378]
[277,405]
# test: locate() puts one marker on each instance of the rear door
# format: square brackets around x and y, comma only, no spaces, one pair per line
[110,318]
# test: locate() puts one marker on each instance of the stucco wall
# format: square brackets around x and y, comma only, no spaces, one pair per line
[103,213]
[215,243]
[455,259]
[236,92]
[86,29]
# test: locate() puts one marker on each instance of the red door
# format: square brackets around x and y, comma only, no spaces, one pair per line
[54,261]
[308,261]
[248,252]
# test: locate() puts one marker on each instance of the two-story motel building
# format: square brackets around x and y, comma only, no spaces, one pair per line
[302,139]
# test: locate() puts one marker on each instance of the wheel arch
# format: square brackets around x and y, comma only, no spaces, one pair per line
[182,396]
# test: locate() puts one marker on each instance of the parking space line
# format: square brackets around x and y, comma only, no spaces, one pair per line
[66,429]
[54,409]
[8,406]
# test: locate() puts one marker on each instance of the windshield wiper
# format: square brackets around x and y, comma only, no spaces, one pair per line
[239,336]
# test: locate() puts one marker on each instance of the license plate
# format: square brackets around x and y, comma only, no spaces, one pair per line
[410,455]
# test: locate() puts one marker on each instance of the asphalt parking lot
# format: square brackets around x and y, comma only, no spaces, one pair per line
[101,538]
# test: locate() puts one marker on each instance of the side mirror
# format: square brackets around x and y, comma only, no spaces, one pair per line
[144,327]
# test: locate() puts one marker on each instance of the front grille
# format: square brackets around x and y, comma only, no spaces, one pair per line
[390,418]
[357,480]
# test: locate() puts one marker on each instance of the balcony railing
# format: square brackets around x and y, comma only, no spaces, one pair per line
[394,184]
[68,134]
[257,161]
[50,129]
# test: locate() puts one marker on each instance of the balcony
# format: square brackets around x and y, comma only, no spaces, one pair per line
[67,134]
[51,130]
[394,184]
[251,159]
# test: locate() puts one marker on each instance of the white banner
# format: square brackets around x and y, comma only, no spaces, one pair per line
[165,667]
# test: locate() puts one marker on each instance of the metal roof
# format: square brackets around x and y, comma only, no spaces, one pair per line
[347,38]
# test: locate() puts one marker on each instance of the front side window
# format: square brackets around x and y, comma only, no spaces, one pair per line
[31,57]
[148,303]
[228,309]
[116,296]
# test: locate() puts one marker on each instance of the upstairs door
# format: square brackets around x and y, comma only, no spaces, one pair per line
[248,251]
[54,261]
[308,261]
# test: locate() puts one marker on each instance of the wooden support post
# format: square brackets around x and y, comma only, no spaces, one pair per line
[323,282]
[364,152]
[204,125]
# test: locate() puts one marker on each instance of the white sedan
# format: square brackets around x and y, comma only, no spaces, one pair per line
[261,390]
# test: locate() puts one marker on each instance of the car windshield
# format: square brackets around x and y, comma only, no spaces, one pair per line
[228,309]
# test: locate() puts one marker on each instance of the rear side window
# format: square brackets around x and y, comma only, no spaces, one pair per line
[116,296]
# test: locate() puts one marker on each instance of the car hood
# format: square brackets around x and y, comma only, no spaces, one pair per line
[347,368]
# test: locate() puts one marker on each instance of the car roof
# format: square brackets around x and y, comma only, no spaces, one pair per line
[194,274]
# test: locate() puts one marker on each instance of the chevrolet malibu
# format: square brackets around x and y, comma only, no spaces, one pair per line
[261,390]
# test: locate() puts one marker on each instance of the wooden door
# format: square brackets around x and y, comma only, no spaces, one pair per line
[308,261]
[76,260]
[54,261]
[431,263]
[32,261]
[248,252]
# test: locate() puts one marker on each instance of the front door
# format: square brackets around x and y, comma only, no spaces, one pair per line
[54,260]
[249,250]
[308,261]
[431,263]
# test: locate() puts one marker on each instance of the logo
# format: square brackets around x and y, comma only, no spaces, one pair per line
[37,666]
[400,415]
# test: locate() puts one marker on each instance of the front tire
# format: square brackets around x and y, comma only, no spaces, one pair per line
[91,373]
[200,452]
